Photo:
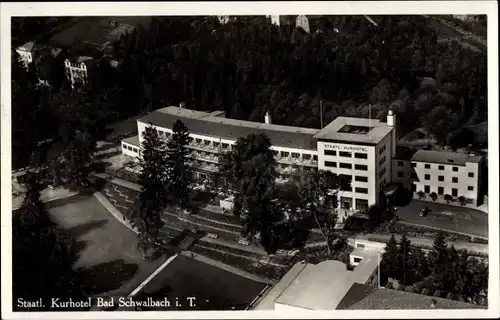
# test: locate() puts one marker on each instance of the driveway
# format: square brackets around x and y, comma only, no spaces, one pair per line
[443,216]
[109,260]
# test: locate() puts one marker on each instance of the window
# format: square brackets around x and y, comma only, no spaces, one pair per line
[330,153]
[361,179]
[216,144]
[400,163]
[161,133]
[360,155]
[440,178]
[225,145]
[470,188]
[361,167]
[401,174]
[469,201]
[441,168]
[295,155]
[427,166]
[455,169]
[413,187]
[440,191]
[306,156]
[344,165]
[454,180]
[471,174]
[275,152]
[331,164]
[198,141]
[360,245]
[414,165]
[345,154]
[427,177]
[315,158]
[454,192]
[427,189]
[357,260]
[361,190]
[361,204]
[285,154]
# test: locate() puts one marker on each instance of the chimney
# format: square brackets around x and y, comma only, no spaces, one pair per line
[267,118]
[391,119]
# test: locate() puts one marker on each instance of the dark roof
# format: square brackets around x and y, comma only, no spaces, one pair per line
[366,297]
[444,157]
[219,127]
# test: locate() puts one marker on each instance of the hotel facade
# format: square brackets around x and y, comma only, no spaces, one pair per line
[361,150]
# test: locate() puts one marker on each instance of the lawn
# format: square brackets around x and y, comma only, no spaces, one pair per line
[447,217]
[212,288]
[109,259]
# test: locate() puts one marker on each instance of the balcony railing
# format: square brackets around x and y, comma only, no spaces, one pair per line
[296,161]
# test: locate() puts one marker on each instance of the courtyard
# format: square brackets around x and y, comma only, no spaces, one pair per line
[447,217]
[189,284]
[109,261]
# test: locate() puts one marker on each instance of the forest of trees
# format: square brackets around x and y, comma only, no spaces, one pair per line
[249,67]
[443,268]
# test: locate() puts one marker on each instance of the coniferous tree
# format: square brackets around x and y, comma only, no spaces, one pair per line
[420,266]
[178,169]
[437,258]
[404,260]
[146,215]
[389,263]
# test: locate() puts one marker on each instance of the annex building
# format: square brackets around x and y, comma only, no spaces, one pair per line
[361,150]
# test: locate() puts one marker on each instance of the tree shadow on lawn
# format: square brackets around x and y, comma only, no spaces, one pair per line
[83,228]
[107,276]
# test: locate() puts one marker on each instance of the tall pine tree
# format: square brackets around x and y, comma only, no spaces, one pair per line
[178,169]
[146,215]
[404,261]
[389,263]
[437,258]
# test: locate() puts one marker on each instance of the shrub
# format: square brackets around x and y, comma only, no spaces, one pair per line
[389,285]
[449,296]
[462,200]
[426,292]
[448,198]
[433,196]
[437,293]
[421,195]
[409,289]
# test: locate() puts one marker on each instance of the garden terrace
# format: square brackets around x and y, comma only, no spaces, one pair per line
[421,231]
[241,262]
[217,216]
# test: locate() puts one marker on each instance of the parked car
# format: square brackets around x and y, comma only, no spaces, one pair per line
[424,212]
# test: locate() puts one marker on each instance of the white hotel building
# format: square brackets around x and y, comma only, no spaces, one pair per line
[358,148]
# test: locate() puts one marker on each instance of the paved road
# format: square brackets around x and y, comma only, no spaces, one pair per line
[443,216]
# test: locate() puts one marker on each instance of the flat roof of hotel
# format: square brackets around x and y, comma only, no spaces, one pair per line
[333,131]
[444,157]
[204,123]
